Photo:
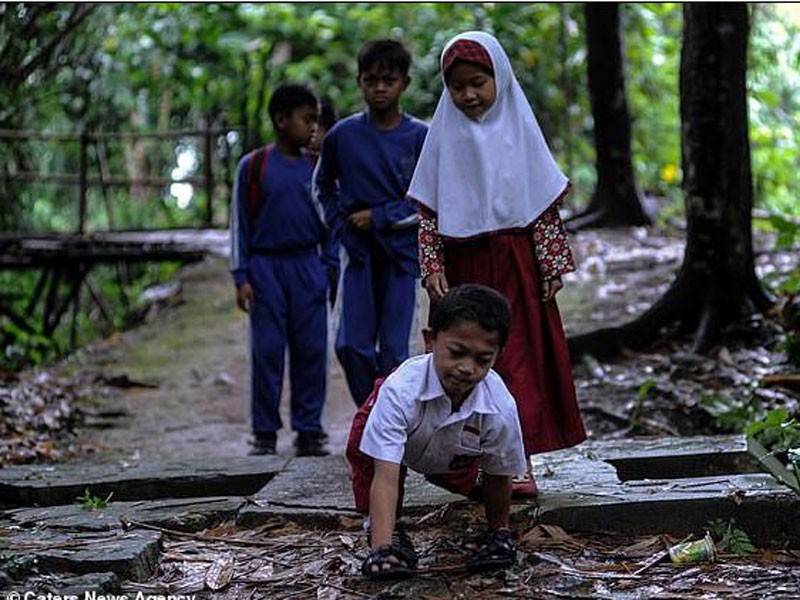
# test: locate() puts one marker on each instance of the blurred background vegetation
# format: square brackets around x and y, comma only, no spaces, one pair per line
[157,67]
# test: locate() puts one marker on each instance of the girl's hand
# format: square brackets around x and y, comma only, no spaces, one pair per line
[436,286]
[550,288]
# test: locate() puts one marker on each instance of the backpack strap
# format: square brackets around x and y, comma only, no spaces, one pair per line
[256,171]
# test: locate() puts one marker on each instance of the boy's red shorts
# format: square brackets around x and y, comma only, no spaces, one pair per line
[362,467]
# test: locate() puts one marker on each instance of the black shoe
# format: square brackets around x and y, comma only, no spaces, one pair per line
[264,443]
[496,551]
[311,443]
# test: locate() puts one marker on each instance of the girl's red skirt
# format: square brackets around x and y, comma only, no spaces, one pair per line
[535,362]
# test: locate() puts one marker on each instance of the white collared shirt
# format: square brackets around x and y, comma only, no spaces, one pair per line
[412,423]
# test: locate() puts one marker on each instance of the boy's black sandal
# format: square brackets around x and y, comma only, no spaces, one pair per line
[401,539]
[496,551]
[390,561]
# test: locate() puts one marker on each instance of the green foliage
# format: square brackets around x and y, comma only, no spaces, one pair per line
[730,538]
[652,39]
[774,87]
[731,411]
[167,66]
[91,502]
[776,431]
[644,390]
[119,290]
[643,394]
[791,345]
[787,230]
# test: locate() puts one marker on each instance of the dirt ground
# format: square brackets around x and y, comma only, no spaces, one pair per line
[180,382]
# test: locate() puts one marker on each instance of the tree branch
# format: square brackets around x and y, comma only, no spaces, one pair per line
[76,17]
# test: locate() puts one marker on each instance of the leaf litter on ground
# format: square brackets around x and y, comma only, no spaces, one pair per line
[292,561]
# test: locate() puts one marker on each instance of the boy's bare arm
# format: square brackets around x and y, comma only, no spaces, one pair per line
[383,502]
[497,498]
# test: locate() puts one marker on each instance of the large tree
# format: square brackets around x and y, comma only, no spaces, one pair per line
[717,283]
[615,200]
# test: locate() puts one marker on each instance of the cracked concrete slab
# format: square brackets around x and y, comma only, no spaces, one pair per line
[131,555]
[665,457]
[317,491]
[184,514]
[581,494]
[661,485]
[50,485]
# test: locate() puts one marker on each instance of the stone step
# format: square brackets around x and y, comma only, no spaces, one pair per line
[759,504]
[316,492]
[131,555]
[49,485]
[667,457]
[183,514]
[72,539]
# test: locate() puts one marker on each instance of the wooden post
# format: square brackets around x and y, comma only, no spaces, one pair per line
[84,188]
[209,175]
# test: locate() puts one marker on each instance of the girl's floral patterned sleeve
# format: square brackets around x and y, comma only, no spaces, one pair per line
[431,247]
[550,244]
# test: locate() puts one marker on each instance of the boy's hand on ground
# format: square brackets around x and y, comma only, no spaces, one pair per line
[436,286]
[245,296]
[550,288]
[361,220]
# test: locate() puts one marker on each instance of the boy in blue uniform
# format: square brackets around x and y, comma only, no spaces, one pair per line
[278,262]
[364,171]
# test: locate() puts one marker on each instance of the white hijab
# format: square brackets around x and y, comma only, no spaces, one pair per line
[488,175]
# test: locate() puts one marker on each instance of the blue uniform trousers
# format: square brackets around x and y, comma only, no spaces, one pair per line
[290,307]
[378,301]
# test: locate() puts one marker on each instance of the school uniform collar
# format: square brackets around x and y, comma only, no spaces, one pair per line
[478,401]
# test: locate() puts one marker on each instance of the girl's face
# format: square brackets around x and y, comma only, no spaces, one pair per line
[472,88]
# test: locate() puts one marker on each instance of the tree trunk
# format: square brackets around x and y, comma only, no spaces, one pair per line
[717,283]
[615,201]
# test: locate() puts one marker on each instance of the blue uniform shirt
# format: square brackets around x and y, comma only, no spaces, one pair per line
[286,219]
[363,167]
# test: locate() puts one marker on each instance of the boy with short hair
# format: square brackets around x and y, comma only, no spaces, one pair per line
[446,414]
[280,274]
[364,171]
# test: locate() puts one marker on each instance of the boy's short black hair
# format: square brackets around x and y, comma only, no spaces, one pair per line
[327,113]
[473,303]
[388,54]
[287,98]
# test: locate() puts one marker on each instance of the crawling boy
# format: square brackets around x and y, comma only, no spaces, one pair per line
[445,414]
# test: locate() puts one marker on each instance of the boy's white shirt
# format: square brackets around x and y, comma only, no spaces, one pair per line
[412,423]
[492,174]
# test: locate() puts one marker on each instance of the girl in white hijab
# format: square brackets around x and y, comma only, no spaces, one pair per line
[487,189]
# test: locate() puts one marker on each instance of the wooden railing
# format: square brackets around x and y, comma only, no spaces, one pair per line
[83,180]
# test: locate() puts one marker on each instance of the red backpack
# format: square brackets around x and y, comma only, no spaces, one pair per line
[258,165]
[256,171]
